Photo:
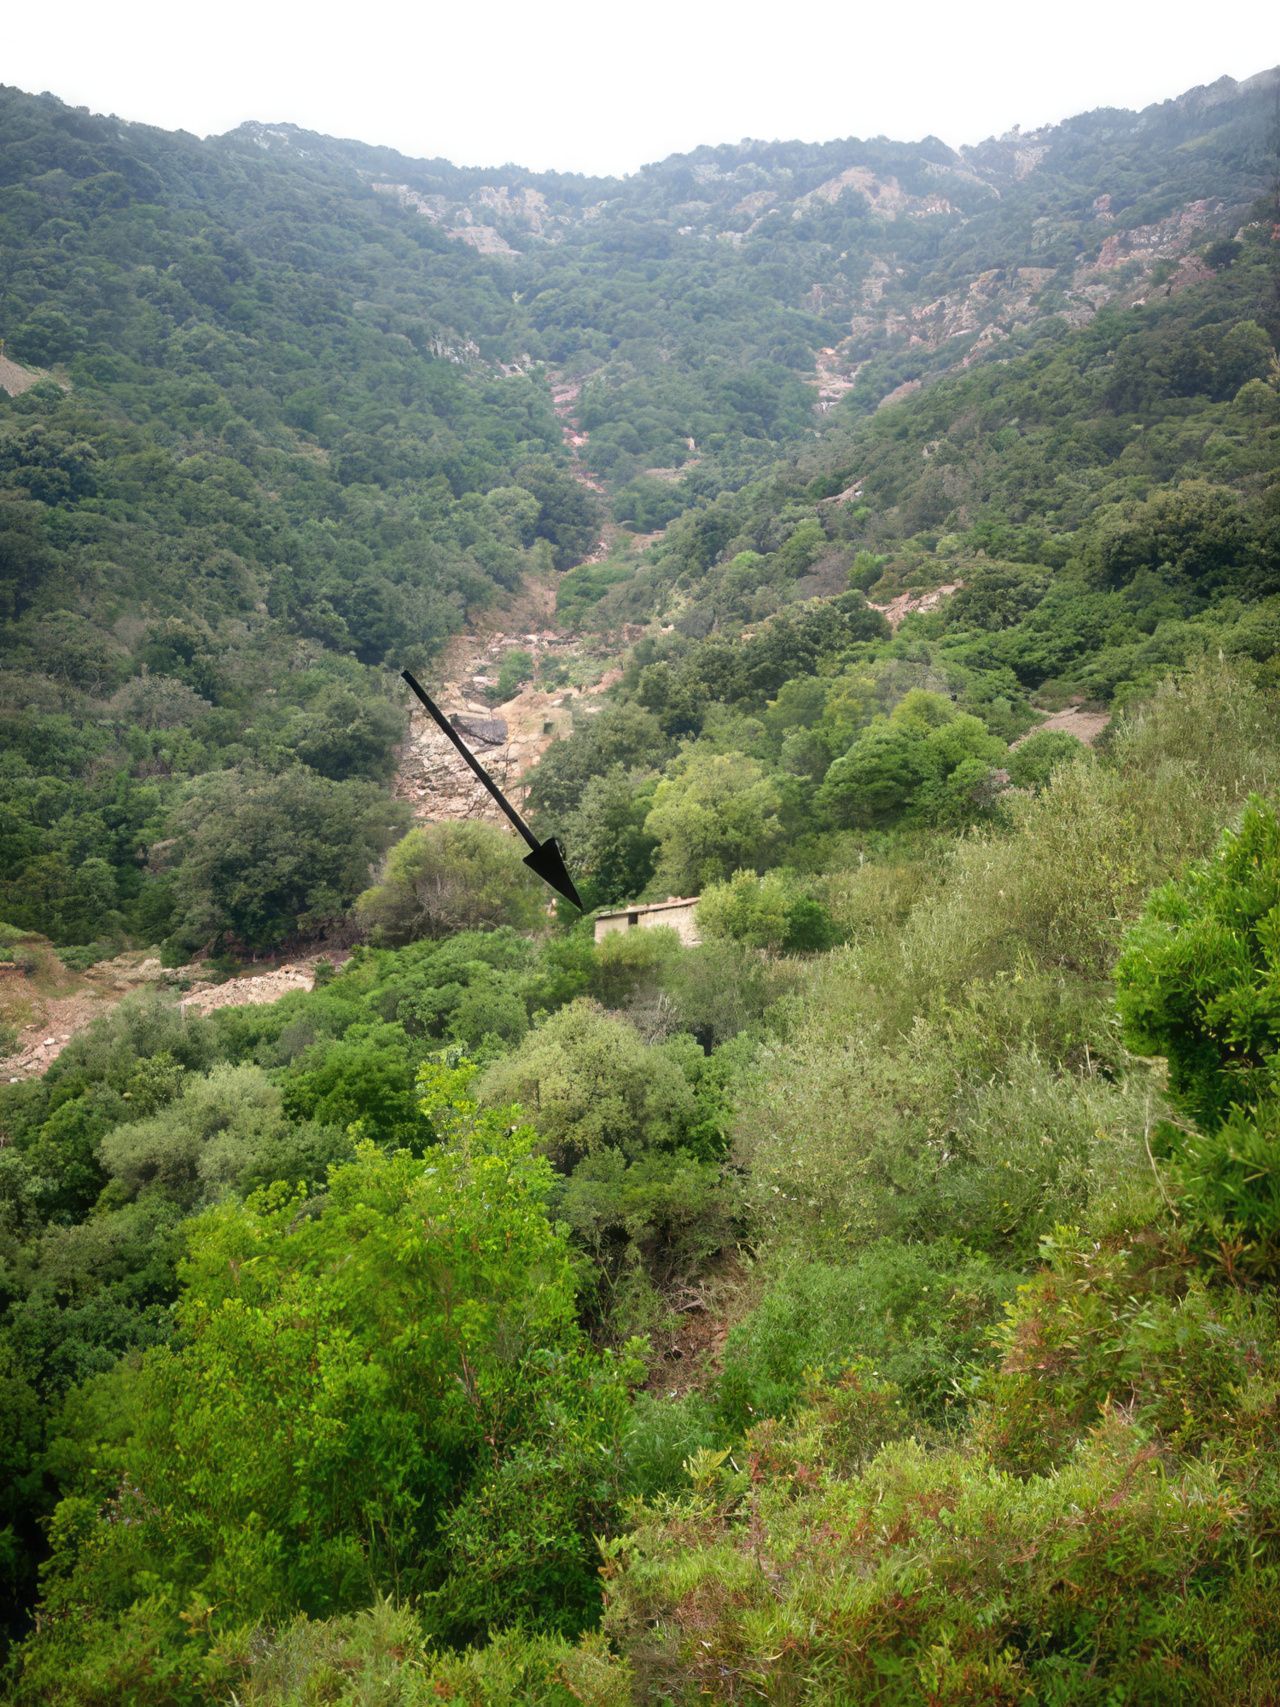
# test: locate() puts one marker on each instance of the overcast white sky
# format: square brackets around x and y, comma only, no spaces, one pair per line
[605,88]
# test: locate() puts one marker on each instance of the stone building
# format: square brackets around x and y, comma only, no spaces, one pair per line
[675,914]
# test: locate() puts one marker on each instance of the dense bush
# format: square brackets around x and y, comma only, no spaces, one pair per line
[442,878]
[297,1446]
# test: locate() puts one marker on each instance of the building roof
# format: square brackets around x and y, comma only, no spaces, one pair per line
[650,907]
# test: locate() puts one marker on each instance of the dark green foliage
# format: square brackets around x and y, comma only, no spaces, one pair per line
[266,857]
[1033,761]
[1197,983]
[516,669]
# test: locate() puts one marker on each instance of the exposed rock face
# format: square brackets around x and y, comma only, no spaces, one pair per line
[485,731]
[860,197]
[15,379]
[252,991]
[464,219]
[885,195]
[907,604]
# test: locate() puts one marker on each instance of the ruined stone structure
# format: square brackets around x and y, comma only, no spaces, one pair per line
[675,914]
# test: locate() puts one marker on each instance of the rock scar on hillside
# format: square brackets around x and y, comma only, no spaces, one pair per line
[63,1017]
[15,379]
[907,604]
[433,776]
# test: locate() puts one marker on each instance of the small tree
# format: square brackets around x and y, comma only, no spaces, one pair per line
[516,669]
[264,857]
[594,1085]
[718,813]
[443,878]
[1199,983]
[385,1391]
[764,912]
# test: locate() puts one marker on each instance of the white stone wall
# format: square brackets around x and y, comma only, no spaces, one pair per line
[678,919]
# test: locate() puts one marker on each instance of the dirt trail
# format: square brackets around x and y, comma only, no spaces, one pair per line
[56,1004]
[1086,726]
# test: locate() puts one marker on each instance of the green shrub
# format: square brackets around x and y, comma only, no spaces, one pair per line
[298,1444]
[1199,978]
[443,878]
[1121,1326]
[1199,983]
[824,1578]
[765,912]
[1033,761]
[918,1313]
[516,669]
[596,1086]
[383,1656]
[80,959]
[662,1435]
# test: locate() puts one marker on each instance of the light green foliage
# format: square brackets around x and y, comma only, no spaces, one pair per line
[305,438]
[442,878]
[592,1085]
[747,909]
[303,1443]
[218,1133]
[1110,1326]
[923,758]
[764,912]
[383,1655]
[639,1130]
[714,815]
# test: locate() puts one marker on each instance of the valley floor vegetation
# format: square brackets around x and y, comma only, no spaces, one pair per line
[334,1330]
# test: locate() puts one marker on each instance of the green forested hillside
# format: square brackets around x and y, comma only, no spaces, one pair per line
[873,1301]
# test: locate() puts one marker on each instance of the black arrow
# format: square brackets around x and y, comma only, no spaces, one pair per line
[547,858]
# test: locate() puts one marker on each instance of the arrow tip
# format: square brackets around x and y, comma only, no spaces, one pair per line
[548,863]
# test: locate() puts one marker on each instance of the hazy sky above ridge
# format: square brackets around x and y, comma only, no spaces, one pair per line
[604,88]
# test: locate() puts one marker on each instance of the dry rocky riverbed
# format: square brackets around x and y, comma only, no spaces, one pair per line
[56,1004]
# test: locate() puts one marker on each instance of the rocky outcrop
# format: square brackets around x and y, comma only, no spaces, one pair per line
[474,219]
[908,604]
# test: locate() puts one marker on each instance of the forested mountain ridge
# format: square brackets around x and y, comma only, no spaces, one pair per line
[296,431]
[884,247]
